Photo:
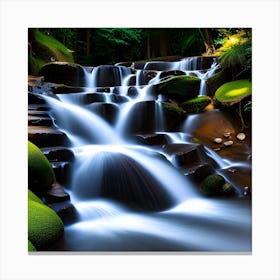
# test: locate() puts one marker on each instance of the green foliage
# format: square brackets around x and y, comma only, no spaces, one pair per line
[196,105]
[186,41]
[44,225]
[233,92]
[212,184]
[40,173]
[60,52]
[64,35]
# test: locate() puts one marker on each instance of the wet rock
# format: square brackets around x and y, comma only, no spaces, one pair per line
[66,211]
[212,185]
[241,136]
[47,136]
[35,99]
[119,99]
[171,73]
[40,121]
[56,194]
[107,111]
[199,172]
[150,139]
[119,177]
[94,97]
[110,75]
[65,89]
[58,153]
[218,140]
[227,189]
[62,171]
[63,73]
[174,116]
[227,135]
[179,88]
[196,105]
[228,143]
[159,65]
[132,92]
[186,154]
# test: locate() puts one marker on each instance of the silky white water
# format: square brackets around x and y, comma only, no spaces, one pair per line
[192,223]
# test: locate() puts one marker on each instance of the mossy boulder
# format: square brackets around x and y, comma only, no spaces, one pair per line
[31,247]
[34,197]
[66,73]
[179,88]
[217,80]
[212,185]
[227,189]
[174,115]
[44,225]
[233,92]
[43,49]
[196,105]
[40,173]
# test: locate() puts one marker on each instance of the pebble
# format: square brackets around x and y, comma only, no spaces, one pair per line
[228,143]
[241,136]
[218,140]
[227,135]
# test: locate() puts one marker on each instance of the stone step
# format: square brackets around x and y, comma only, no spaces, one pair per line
[40,121]
[43,136]
[56,194]
[150,139]
[58,153]
[38,107]
[198,172]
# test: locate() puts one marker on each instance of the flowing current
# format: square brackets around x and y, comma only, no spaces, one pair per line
[106,157]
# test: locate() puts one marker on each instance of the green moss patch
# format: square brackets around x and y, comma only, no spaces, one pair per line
[40,173]
[233,92]
[33,197]
[60,52]
[44,225]
[196,105]
[31,247]
[179,88]
[212,185]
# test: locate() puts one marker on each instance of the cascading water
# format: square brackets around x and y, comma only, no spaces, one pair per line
[108,162]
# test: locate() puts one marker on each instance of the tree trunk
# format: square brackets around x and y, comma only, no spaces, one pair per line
[208,41]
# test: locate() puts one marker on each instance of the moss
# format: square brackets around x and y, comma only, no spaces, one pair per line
[212,184]
[196,105]
[217,80]
[180,88]
[34,197]
[44,225]
[227,189]
[40,173]
[195,140]
[31,247]
[60,52]
[233,92]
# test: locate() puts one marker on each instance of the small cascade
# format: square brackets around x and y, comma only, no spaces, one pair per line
[129,183]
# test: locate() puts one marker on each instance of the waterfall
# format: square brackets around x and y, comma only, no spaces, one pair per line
[128,194]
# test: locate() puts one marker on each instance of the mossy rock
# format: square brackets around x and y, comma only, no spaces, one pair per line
[43,49]
[179,88]
[34,197]
[227,189]
[70,74]
[174,115]
[196,105]
[233,92]
[40,173]
[31,247]
[217,80]
[212,185]
[44,225]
